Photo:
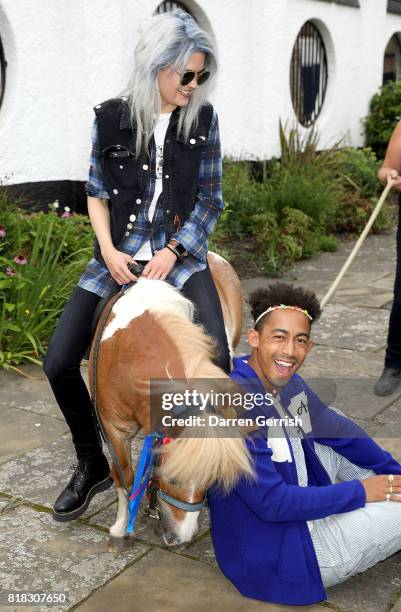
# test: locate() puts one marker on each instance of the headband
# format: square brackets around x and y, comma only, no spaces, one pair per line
[280,307]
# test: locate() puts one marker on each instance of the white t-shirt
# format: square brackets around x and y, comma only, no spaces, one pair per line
[145,252]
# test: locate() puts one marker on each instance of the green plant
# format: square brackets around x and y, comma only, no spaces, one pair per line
[384,113]
[357,169]
[37,275]
[280,239]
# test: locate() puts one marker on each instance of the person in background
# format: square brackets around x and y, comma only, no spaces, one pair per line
[390,378]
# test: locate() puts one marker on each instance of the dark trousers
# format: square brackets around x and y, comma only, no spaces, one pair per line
[72,338]
[393,352]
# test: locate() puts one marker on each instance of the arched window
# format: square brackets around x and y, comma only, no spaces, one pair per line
[308,74]
[170,5]
[392,60]
[3,65]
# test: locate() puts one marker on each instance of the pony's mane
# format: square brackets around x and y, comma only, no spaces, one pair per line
[211,458]
[195,347]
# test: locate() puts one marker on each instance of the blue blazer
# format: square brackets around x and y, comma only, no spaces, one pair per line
[261,539]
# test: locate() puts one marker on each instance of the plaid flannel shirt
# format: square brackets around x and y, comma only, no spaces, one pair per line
[194,233]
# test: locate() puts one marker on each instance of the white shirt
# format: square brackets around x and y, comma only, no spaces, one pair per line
[145,252]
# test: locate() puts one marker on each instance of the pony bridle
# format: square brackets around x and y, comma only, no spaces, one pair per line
[154,493]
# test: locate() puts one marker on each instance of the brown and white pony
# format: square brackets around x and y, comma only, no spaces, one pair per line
[150,334]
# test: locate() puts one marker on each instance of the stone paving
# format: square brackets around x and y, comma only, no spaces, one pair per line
[41,555]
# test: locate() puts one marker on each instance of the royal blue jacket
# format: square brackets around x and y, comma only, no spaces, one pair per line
[260,534]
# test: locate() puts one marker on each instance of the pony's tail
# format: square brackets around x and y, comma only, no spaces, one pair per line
[206,461]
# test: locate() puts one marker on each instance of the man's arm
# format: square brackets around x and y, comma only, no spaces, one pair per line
[273,500]
[195,232]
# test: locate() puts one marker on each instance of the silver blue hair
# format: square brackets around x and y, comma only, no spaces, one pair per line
[168,39]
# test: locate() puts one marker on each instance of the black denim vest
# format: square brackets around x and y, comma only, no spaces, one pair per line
[126,186]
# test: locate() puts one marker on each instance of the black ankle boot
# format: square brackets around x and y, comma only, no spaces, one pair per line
[90,477]
[388,382]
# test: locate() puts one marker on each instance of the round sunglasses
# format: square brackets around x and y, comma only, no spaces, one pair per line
[189,76]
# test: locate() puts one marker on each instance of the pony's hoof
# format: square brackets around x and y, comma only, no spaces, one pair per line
[118,544]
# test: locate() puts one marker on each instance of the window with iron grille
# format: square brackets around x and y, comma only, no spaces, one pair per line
[170,5]
[3,65]
[308,74]
[392,60]
[394,6]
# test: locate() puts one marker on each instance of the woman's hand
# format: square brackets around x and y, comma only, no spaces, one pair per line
[160,265]
[117,263]
[377,487]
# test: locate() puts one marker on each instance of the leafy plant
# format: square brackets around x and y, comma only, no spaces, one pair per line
[384,113]
[37,274]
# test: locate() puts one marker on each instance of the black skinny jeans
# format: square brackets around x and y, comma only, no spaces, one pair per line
[393,352]
[71,340]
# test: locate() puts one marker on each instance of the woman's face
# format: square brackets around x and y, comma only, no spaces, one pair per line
[172,93]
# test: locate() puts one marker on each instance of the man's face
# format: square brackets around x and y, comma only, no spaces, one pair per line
[280,348]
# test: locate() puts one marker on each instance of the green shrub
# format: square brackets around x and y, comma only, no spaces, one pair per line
[309,189]
[242,198]
[41,259]
[357,170]
[281,238]
[384,113]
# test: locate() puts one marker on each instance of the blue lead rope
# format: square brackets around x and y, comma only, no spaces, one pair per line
[142,474]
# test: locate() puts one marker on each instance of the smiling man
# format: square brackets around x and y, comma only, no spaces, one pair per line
[325,501]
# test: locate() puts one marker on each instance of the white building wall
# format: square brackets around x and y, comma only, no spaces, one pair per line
[66,56]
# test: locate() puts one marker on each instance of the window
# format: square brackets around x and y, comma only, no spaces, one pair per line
[394,6]
[308,74]
[170,5]
[3,65]
[392,60]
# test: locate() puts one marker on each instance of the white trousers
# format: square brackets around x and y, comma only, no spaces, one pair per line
[349,543]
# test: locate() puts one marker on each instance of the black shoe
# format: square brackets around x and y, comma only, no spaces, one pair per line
[388,381]
[90,476]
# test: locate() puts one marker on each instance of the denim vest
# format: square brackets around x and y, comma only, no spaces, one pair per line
[181,161]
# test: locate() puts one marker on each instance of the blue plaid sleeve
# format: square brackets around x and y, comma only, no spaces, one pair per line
[95,184]
[195,232]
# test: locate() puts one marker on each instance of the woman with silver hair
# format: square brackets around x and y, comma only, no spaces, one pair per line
[154,195]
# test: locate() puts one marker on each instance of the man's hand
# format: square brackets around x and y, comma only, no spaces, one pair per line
[117,263]
[377,487]
[160,265]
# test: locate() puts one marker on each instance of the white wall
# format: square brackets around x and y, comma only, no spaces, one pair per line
[66,56]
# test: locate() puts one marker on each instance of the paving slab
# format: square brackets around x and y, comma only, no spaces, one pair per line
[203,550]
[22,431]
[40,475]
[360,329]
[375,590]
[147,529]
[354,396]
[391,444]
[330,361]
[33,394]
[41,555]
[162,580]
[388,422]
